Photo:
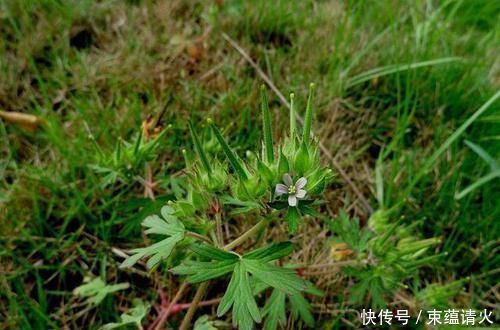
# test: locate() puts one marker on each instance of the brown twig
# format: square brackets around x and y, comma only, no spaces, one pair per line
[333,264]
[283,100]
[186,322]
[198,237]
[243,237]
[162,318]
[204,303]
[149,184]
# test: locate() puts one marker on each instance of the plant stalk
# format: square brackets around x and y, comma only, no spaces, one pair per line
[158,324]
[218,224]
[186,322]
[198,237]
[245,235]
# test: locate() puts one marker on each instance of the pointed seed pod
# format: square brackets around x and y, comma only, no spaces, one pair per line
[230,154]
[293,119]
[199,149]
[266,121]
[309,115]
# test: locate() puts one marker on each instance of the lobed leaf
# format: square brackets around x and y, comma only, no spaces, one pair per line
[156,252]
[169,226]
[134,316]
[272,252]
[201,271]
[96,290]
[239,295]
[283,279]
[212,252]
[300,307]
[275,311]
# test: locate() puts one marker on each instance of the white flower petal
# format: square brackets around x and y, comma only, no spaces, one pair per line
[287,179]
[301,183]
[301,193]
[292,200]
[281,189]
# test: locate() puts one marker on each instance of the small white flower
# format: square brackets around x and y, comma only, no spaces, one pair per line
[295,191]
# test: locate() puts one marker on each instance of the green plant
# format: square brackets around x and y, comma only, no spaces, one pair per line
[127,158]
[134,316]
[383,256]
[282,183]
[494,170]
[95,290]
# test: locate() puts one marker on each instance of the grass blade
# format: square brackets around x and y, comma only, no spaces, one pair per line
[395,68]
[458,132]
[483,154]
[478,183]
[427,165]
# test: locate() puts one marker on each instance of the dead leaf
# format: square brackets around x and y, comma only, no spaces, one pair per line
[25,120]
[195,51]
[340,251]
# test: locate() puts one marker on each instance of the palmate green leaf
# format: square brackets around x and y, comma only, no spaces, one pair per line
[239,295]
[156,252]
[271,252]
[201,271]
[169,226]
[252,267]
[212,252]
[204,323]
[301,309]
[96,290]
[133,316]
[283,279]
[240,206]
[275,311]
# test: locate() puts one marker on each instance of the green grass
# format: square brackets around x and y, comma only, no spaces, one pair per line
[93,71]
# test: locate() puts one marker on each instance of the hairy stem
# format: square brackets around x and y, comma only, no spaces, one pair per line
[209,302]
[293,119]
[218,224]
[198,237]
[245,235]
[194,305]
[158,324]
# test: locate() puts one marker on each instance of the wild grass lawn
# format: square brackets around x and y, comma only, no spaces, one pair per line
[398,84]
